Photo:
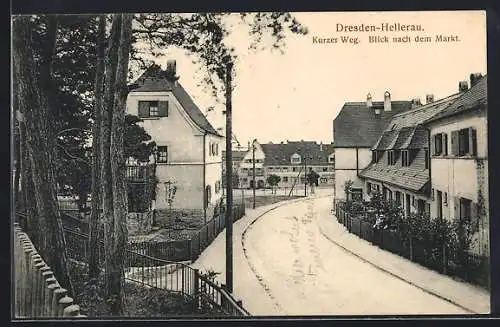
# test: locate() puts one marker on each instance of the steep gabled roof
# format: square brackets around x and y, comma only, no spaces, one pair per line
[280,153]
[475,97]
[413,177]
[420,114]
[154,79]
[356,125]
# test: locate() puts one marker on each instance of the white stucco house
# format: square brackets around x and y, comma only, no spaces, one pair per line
[189,149]
[459,161]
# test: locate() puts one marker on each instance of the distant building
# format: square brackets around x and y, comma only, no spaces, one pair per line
[459,160]
[289,161]
[188,147]
[356,130]
[237,158]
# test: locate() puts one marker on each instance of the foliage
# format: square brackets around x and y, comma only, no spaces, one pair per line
[273,180]
[204,35]
[347,190]
[137,142]
[140,301]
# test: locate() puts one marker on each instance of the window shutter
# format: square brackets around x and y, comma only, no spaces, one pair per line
[445,144]
[454,143]
[163,108]
[472,141]
[143,109]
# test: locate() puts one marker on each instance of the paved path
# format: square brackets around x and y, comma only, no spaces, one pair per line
[288,261]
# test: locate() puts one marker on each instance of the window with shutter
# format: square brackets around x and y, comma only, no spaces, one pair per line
[454,143]
[465,209]
[427,159]
[438,144]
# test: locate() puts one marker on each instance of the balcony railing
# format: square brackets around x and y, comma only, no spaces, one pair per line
[136,173]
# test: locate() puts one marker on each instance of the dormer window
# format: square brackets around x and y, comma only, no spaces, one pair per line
[405,158]
[153,109]
[295,159]
[374,156]
[391,157]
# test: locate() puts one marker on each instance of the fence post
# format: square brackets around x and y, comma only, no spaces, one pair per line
[196,290]
[445,259]
[411,248]
[64,302]
[51,287]
[47,278]
[71,311]
[25,291]
[59,293]
[37,304]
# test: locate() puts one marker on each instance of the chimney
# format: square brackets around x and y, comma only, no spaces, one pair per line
[249,145]
[281,142]
[387,101]
[463,86]
[171,70]
[321,146]
[474,78]
[429,98]
[369,102]
[415,102]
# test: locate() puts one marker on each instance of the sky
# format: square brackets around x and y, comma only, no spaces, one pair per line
[297,95]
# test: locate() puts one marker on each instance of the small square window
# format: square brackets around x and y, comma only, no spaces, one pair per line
[162,154]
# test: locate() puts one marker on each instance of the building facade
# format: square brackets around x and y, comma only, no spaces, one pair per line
[189,153]
[356,129]
[459,161]
[289,161]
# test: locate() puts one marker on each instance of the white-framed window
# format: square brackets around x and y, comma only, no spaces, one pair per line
[162,154]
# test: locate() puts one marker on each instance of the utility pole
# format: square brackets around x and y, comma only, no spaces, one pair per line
[253,179]
[305,170]
[229,181]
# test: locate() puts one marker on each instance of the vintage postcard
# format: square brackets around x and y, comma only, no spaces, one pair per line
[250,164]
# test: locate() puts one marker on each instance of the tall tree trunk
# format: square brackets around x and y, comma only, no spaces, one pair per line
[96,154]
[19,201]
[106,174]
[27,187]
[34,104]
[116,277]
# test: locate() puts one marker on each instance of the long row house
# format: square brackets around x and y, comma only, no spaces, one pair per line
[430,158]
[289,160]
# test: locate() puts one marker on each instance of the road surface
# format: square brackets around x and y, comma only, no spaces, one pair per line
[283,265]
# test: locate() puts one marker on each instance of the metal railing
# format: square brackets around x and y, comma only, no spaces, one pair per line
[163,274]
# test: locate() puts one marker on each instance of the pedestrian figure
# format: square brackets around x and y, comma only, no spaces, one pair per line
[312,179]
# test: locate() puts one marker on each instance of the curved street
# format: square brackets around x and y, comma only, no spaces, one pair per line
[284,265]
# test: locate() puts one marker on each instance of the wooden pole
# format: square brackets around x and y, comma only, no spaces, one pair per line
[253,177]
[229,182]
